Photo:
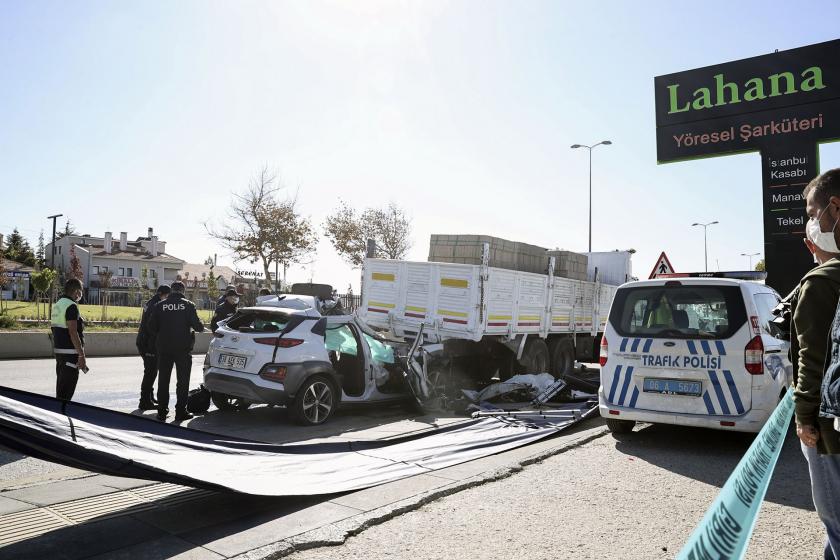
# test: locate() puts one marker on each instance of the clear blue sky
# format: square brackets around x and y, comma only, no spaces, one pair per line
[124,115]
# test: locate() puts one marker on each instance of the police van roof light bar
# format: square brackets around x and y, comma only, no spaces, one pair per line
[735,274]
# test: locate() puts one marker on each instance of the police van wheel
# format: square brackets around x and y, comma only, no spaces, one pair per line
[228,402]
[620,426]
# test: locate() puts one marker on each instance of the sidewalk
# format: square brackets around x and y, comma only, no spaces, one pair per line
[110,517]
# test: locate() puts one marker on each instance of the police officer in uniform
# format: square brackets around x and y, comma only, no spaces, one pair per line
[171,323]
[146,348]
[225,309]
[68,340]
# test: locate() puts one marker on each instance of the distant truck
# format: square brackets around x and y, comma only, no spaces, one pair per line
[489,320]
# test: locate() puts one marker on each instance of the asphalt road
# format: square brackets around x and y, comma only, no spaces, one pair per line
[637,497]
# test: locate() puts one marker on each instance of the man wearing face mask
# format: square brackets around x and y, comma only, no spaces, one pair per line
[68,336]
[226,308]
[813,309]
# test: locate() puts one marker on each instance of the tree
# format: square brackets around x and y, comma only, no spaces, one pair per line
[759,266]
[212,287]
[105,291]
[18,249]
[75,270]
[388,227]
[68,230]
[4,279]
[39,252]
[146,294]
[43,282]
[260,227]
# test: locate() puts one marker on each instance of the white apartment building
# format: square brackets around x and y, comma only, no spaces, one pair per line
[125,260]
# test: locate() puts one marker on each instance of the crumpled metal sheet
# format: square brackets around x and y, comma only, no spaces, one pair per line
[116,443]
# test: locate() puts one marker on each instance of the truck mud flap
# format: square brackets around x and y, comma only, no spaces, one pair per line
[116,443]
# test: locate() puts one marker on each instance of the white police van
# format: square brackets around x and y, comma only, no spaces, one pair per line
[693,349]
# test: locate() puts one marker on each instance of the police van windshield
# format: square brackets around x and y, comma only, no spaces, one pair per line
[678,311]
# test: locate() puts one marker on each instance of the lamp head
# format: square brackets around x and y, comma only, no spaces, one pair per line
[606,142]
[576,146]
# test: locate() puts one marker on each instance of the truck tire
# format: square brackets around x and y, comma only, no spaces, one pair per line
[535,357]
[620,426]
[562,357]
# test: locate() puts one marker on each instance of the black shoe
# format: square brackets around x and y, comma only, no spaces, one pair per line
[181,415]
[161,415]
[147,404]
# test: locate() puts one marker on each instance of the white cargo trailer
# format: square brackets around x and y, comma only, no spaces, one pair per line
[493,320]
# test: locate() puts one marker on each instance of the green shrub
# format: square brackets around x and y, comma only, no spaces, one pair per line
[7,321]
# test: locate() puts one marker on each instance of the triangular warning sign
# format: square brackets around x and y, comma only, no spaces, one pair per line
[662,266]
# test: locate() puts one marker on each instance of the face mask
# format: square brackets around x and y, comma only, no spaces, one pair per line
[822,239]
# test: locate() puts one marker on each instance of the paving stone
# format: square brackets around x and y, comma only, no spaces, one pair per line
[247,534]
[378,496]
[169,547]
[121,482]
[82,541]
[217,509]
[57,492]
[9,505]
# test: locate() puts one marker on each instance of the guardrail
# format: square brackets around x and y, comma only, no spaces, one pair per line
[16,345]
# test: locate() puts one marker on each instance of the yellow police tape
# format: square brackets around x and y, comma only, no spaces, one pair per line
[724,531]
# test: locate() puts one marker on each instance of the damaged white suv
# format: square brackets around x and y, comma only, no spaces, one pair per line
[283,352]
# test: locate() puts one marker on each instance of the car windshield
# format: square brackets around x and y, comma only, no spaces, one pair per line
[258,321]
[678,311]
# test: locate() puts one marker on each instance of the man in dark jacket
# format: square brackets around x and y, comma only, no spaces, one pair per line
[226,308]
[172,322]
[813,311]
[146,348]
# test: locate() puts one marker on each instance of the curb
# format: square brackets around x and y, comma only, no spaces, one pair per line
[337,533]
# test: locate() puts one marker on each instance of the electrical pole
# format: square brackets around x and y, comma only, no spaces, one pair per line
[52,247]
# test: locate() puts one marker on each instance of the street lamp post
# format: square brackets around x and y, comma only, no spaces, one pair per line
[705,244]
[590,148]
[750,256]
[52,248]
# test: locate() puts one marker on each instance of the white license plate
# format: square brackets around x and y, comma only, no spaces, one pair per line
[235,362]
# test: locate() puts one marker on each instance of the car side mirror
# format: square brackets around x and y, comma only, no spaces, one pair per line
[777,329]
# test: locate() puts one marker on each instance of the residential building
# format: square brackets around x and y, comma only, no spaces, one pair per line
[127,261]
[17,285]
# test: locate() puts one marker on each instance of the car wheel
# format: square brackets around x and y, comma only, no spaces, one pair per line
[229,402]
[315,402]
[620,426]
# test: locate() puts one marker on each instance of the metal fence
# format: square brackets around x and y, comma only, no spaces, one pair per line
[349,302]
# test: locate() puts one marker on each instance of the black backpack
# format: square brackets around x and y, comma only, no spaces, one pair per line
[198,400]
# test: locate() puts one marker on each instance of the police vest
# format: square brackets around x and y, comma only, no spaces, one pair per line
[59,312]
[62,343]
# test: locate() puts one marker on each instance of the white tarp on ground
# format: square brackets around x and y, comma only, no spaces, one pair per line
[109,442]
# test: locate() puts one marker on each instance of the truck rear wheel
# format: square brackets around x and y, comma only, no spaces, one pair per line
[535,357]
[562,358]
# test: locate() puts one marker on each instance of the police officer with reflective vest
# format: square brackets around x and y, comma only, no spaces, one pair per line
[68,340]
[226,309]
[146,347]
[172,322]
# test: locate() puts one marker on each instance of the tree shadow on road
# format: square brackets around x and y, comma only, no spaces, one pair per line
[711,455]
